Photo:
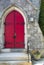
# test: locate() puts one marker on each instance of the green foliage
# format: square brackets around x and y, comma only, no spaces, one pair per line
[41,16]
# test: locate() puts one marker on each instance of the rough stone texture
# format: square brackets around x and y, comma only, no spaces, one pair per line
[36,3]
[35,39]
[34,33]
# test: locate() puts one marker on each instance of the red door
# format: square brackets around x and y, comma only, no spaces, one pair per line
[14,30]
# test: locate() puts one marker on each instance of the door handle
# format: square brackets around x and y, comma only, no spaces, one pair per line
[14,35]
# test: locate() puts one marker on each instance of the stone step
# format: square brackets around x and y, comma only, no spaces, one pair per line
[13,50]
[14,56]
[16,63]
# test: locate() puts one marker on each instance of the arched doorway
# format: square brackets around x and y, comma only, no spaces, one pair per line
[14,30]
[18,19]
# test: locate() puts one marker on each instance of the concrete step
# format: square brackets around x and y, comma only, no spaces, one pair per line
[15,63]
[13,50]
[14,56]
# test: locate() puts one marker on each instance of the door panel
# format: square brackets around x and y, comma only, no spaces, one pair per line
[19,30]
[9,30]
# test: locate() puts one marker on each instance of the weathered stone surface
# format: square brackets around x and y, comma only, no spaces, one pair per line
[35,39]
[36,3]
[4,4]
[33,32]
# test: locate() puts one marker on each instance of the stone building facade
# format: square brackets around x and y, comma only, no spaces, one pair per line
[30,10]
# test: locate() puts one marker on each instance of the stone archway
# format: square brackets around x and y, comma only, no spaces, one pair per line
[8,10]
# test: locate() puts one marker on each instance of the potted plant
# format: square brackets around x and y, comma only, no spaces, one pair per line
[37,55]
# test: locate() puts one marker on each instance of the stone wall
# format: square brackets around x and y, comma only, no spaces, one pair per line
[36,3]
[34,34]
[36,37]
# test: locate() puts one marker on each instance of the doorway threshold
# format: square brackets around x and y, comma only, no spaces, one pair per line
[13,50]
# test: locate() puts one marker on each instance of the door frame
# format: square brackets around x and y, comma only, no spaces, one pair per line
[20,10]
